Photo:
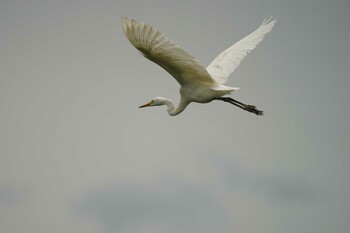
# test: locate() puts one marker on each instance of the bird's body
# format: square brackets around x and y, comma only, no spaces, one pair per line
[198,84]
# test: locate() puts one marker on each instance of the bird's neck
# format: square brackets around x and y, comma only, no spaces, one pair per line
[172,109]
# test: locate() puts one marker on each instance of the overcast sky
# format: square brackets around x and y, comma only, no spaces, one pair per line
[77,155]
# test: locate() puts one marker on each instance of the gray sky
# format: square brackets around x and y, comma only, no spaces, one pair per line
[77,155]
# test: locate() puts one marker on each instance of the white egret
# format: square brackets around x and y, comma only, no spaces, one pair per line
[198,84]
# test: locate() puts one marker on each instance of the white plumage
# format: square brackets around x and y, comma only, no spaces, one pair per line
[198,84]
[227,61]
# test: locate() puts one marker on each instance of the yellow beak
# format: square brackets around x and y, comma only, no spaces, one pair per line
[146,105]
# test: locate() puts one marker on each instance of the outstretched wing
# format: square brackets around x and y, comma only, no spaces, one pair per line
[227,61]
[158,48]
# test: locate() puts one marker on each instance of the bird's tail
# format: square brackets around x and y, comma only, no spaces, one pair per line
[225,88]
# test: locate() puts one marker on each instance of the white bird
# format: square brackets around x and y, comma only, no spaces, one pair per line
[198,84]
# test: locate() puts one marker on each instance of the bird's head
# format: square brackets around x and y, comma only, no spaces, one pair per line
[158,101]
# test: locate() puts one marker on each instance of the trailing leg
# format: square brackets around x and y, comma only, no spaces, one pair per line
[249,108]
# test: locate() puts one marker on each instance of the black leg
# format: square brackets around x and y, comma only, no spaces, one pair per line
[249,108]
[232,101]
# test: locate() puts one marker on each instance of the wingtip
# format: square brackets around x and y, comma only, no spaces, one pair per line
[124,23]
[269,20]
[124,18]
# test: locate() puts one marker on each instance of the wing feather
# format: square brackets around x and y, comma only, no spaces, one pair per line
[227,61]
[158,48]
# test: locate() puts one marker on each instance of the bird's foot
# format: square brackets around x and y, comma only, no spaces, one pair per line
[253,109]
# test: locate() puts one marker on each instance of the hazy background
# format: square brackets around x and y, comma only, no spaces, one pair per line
[77,155]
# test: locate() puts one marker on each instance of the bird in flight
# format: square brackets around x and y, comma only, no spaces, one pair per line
[198,84]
